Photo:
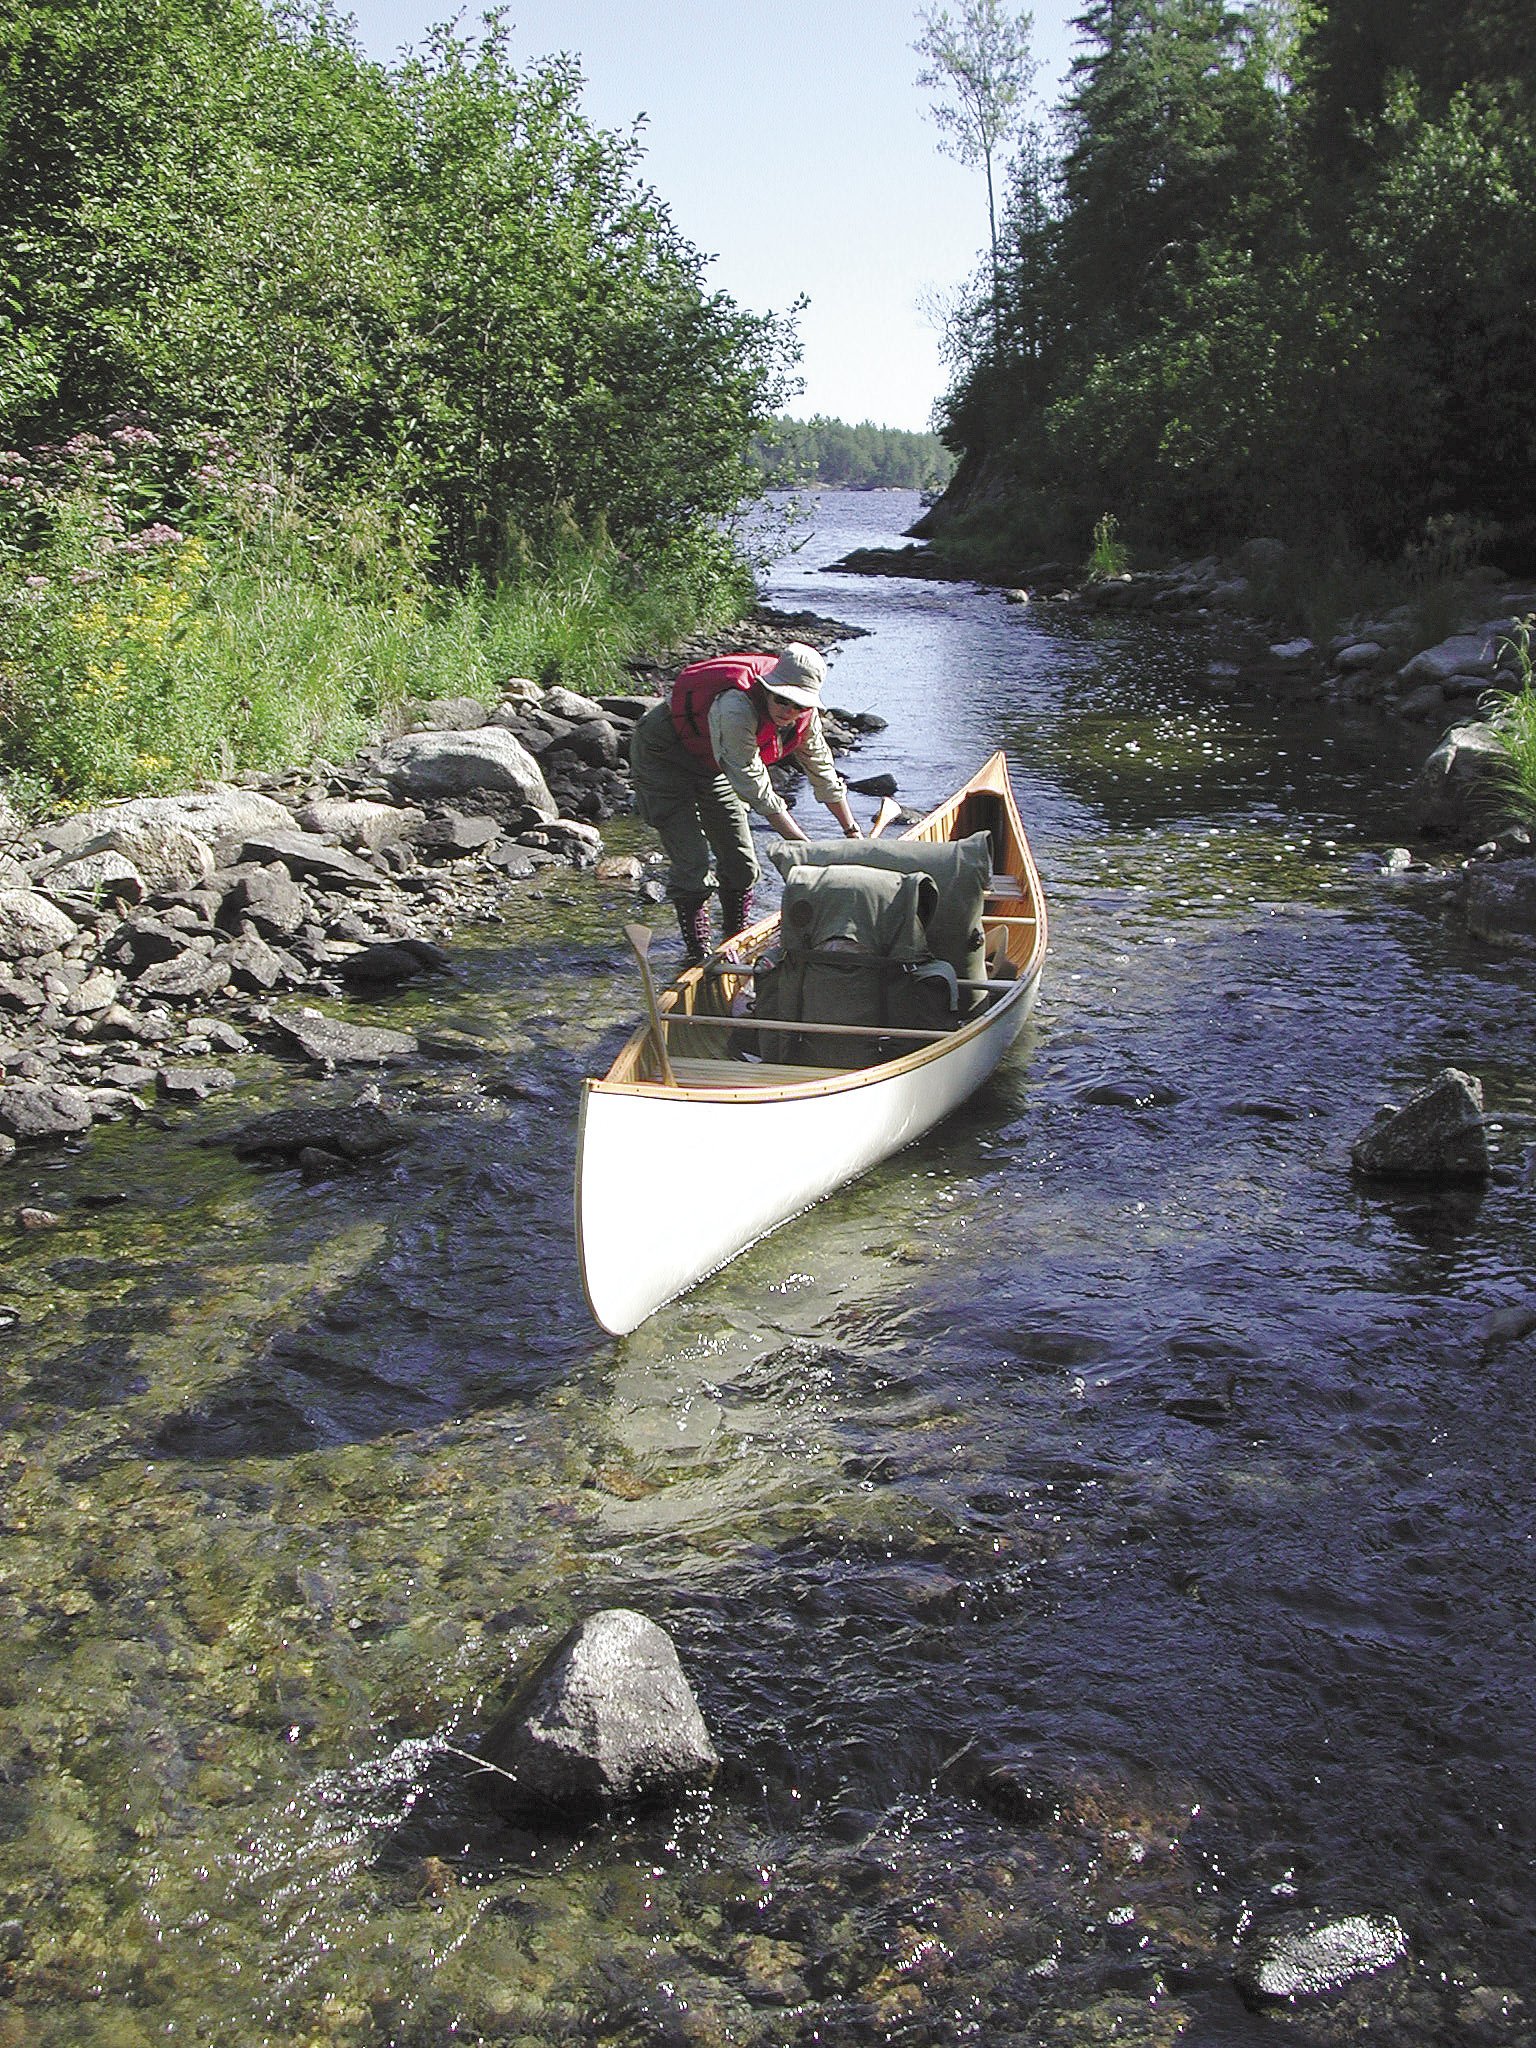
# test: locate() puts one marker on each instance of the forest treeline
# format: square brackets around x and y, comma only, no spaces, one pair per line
[863,457]
[1271,270]
[324,382]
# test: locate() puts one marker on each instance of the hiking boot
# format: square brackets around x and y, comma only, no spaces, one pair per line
[693,923]
[735,911]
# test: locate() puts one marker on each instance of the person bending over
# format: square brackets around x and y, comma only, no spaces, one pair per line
[701,761]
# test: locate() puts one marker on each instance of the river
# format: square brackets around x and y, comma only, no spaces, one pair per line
[1036,1691]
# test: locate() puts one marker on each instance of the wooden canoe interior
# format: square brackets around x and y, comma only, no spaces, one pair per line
[702,1055]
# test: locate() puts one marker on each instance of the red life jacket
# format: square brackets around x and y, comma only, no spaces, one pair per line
[699,685]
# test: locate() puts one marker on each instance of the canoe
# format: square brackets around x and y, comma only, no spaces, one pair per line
[673,1179]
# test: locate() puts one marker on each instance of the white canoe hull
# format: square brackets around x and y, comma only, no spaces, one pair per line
[672,1186]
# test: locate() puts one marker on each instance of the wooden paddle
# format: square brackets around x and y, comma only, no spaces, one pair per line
[887,814]
[639,937]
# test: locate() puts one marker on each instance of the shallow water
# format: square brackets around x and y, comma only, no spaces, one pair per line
[1034,1692]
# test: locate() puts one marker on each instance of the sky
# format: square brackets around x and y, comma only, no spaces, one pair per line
[790,142]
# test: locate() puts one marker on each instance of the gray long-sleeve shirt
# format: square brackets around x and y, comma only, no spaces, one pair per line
[733,723]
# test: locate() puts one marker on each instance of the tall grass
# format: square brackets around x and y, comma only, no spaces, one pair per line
[1514,726]
[257,642]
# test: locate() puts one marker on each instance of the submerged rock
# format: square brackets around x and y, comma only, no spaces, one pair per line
[1501,903]
[1305,1955]
[1438,1134]
[320,1037]
[358,1130]
[609,1718]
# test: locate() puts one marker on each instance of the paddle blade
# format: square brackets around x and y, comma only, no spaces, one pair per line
[887,814]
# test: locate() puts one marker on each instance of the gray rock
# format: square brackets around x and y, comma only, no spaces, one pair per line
[1261,554]
[453,834]
[30,925]
[165,854]
[1438,1134]
[1292,653]
[386,965]
[43,1109]
[1463,654]
[609,1718]
[19,993]
[1359,654]
[358,823]
[1306,1955]
[426,765]
[1459,784]
[306,856]
[269,900]
[252,964]
[449,714]
[1500,903]
[140,941]
[1422,702]
[567,704]
[324,1038]
[95,994]
[220,816]
[192,977]
[192,1084]
[106,876]
[592,741]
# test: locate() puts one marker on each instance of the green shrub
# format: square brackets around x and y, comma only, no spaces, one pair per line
[1514,725]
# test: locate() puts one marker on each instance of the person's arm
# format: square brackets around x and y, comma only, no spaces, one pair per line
[733,735]
[826,784]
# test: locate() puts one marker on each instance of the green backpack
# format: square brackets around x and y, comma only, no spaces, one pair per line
[854,949]
[961,868]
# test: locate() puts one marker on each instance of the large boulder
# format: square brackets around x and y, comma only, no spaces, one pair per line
[609,1718]
[1464,654]
[1501,903]
[442,764]
[1458,788]
[1438,1134]
[30,924]
[221,817]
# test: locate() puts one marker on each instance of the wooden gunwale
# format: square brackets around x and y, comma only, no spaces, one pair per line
[1016,866]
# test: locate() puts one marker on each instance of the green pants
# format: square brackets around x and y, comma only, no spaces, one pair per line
[703,824]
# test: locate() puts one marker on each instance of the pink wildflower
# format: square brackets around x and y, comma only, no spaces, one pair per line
[37,583]
[160,535]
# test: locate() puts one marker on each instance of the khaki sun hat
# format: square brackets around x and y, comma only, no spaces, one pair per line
[797,676]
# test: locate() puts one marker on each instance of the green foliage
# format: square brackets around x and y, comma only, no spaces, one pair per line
[1278,280]
[864,457]
[1514,724]
[982,67]
[1109,557]
[323,384]
[141,655]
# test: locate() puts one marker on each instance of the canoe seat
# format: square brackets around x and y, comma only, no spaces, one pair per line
[747,1073]
[1004,887]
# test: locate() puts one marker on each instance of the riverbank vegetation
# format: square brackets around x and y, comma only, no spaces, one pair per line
[864,457]
[326,385]
[1269,271]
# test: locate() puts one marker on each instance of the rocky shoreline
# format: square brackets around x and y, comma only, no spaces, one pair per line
[1384,664]
[142,942]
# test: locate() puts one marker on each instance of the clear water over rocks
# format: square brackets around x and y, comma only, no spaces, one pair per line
[1101,1533]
